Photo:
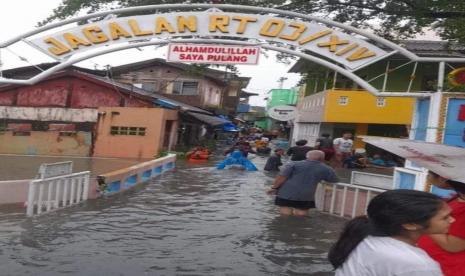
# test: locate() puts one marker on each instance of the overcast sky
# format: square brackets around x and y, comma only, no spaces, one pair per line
[19,16]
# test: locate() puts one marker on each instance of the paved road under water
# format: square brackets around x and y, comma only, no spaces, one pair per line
[195,221]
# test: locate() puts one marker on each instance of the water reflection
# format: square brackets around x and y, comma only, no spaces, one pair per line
[196,221]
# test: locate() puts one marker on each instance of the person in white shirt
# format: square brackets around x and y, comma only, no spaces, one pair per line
[343,148]
[383,243]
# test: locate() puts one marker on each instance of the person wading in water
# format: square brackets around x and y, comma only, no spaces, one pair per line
[296,184]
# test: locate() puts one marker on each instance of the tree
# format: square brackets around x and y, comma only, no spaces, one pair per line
[393,19]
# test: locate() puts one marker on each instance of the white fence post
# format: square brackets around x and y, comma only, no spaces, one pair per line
[344,197]
[65,192]
[31,195]
[85,193]
[73,188]
[57,193]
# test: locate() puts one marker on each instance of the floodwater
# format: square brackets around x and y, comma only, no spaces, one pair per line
[16,167]
[194,221]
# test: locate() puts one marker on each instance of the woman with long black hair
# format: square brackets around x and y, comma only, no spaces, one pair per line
[383,243]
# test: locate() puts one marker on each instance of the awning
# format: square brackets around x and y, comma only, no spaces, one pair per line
[248,93]
[228,126]
[166,103]
[447,161]
[209,120]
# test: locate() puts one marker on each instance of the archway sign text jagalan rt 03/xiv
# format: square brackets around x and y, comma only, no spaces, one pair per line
[342,48]
[338,47]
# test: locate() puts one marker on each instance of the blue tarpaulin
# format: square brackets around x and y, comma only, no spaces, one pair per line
[228,126]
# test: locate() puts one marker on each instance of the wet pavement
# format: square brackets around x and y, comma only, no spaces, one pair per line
[194,221]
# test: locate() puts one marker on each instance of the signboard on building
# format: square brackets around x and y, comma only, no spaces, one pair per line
[283,112]
[213,54]
[349,50]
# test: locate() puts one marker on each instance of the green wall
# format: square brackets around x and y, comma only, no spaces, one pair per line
[282,97]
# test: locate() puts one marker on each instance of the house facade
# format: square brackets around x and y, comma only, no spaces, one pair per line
[75,113]
[337,111]
[199,86]
[334,104]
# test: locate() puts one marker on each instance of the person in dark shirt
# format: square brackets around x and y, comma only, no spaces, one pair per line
[298,152]
[274,162]
[325,144]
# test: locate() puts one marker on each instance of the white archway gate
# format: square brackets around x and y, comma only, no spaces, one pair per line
[343,49]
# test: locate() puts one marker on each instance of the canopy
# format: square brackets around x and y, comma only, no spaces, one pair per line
[210,120]
[447,161]
[228,126]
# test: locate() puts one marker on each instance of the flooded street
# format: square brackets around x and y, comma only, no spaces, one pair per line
[15,167]
[194,221]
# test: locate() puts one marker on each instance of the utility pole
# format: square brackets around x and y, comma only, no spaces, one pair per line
[281,81]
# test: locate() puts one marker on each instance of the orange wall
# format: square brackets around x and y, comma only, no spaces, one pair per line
[131,146]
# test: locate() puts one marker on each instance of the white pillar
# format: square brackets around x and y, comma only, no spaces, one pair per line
[334,80]
[441,72]
[386,75]
[433,117]
[435,106]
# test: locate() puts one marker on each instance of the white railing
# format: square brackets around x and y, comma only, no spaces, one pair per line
[57,192]
[342,196]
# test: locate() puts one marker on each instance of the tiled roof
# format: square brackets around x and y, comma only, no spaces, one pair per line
[217,75]
[142,92]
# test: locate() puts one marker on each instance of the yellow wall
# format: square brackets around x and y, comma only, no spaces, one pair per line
[362,108]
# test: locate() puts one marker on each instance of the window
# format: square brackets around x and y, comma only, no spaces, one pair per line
[134,131]
[185,87]
[343,100]
[232,92]
[63,129]
[20,129]
[380,102]
[149,86]
[216,97]
[3,127]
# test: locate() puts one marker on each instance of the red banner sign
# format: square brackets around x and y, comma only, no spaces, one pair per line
[214,54]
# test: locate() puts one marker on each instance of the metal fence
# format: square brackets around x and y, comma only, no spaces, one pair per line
[57,192]
[345,200]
